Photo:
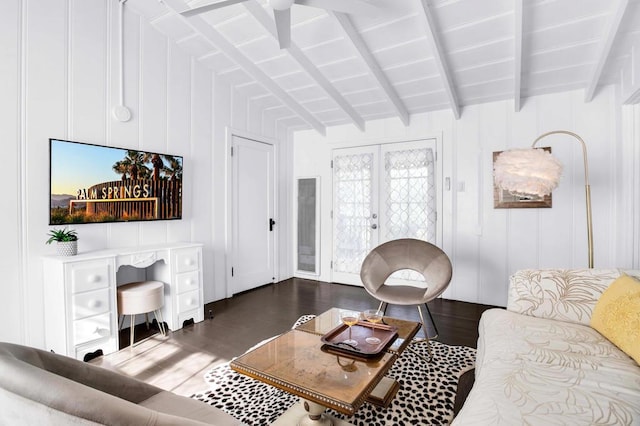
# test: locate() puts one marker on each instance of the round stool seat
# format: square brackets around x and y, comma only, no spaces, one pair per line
[140,297]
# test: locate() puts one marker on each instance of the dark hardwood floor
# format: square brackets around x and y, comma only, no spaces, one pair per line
[178,361]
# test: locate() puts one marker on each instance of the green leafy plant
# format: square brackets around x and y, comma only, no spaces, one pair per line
[62,235]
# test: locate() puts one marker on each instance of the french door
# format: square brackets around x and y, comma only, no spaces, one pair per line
[253,200]
[381,193]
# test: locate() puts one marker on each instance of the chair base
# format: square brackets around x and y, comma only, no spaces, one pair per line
[383,307]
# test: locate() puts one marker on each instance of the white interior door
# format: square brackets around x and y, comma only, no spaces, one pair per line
[381,193]
[253,225]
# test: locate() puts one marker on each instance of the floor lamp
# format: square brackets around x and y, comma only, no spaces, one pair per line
[536,172]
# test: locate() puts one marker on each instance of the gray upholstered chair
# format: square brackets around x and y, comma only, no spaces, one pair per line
[416,255]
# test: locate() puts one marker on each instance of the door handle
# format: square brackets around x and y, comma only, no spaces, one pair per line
[271,223]
[374,226]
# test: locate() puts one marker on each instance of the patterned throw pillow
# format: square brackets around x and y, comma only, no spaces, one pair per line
[617,315]
[560,294]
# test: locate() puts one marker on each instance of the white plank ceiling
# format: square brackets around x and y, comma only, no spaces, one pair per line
[413,56]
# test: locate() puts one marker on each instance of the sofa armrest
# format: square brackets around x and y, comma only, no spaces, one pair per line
[560,294]
[103,380]
[27,387]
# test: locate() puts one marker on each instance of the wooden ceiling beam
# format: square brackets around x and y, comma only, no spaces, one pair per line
[441,61]
[517,65]
[363,50]
[263,18]
[605,49]
[220,42]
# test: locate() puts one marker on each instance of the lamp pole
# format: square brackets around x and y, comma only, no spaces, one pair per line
[586,186]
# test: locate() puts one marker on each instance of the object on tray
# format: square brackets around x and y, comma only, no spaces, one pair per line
[335,340]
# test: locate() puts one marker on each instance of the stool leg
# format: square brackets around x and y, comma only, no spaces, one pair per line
[121,322]
[133,317]
[146,319]
[158,316]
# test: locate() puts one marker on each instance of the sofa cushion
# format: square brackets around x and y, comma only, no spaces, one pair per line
[187,408]
[617,315]
[540,371]
[561,294]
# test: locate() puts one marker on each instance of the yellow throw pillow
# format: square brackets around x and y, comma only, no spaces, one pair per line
[617,315]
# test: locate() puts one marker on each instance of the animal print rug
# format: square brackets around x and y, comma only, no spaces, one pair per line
[426,396]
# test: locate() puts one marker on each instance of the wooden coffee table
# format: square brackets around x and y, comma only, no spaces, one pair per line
[295,362]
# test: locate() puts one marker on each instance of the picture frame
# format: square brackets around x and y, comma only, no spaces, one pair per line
[505,200]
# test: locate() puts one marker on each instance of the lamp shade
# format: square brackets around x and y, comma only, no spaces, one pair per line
[527,172]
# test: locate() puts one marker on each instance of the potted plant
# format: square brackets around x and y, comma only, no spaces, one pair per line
[66,239]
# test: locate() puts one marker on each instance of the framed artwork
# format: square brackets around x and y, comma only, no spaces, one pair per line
[505,200]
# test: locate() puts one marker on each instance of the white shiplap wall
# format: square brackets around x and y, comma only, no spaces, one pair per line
[59,78]
[486,245]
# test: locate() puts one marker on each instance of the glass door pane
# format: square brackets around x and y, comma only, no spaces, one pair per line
[355,178]
[308,252]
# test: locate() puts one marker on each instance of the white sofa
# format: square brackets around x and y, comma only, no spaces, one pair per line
[540,363]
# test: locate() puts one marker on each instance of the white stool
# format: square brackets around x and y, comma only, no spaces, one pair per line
[141,298]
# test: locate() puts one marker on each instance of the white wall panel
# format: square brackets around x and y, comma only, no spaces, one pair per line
[492,247]
[201,170]
[46,103]
[239,111]
[467,227]
[220,164]
[627,172]
[180,141]
[11,254]
[87,71]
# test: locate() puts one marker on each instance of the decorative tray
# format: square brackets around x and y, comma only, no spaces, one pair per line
[334,340]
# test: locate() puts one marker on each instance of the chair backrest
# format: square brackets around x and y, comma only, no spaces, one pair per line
[417,255]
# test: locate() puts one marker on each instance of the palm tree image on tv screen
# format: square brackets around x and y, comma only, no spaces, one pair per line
[94,183]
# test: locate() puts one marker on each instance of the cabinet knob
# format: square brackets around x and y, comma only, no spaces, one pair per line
[189,262]
[191,302]
[102,332]
[93,278]
[94,303]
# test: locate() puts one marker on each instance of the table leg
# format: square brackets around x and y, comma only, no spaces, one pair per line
[314,415]
[307,413]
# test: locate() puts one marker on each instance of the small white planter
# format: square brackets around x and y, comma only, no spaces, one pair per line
[67,248]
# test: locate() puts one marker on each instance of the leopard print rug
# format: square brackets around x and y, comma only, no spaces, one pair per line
[426,396]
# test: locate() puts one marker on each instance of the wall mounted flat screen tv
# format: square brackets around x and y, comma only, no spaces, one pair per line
[95,184]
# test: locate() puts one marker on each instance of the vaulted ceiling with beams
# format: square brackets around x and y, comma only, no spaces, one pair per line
[406,57]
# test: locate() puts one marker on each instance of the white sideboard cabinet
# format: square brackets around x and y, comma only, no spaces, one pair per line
[80,293]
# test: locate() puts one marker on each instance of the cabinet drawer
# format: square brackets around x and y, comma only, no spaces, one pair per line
[188,301]
[108,345]
[187,260]
[195,315]
[93,328]
[89,276]
[90,303]
[187,282]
